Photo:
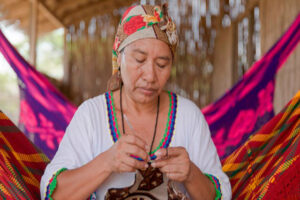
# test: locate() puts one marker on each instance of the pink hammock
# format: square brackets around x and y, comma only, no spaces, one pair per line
[249,104]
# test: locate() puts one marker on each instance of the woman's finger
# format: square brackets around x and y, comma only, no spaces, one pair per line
[136,140]
[123,167]
[136,164]
[135,150]
[171,169]
[164,161]
[169,152]
[176,172]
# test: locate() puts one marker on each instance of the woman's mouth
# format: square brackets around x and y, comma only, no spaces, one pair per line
[147,91]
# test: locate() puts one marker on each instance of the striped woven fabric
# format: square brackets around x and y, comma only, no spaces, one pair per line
[248,105]
[44,111]
[21,163]
[267,166]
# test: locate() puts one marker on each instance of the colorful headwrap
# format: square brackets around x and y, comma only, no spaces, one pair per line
[144,21]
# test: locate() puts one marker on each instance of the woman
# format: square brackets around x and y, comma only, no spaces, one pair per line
[138,141]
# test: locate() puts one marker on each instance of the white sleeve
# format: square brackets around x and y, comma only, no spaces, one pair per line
[203,153]
[75,148]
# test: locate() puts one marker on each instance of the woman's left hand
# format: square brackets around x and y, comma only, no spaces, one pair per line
[174,162]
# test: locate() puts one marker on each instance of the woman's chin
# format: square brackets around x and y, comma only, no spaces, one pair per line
[146,96]
[147,92]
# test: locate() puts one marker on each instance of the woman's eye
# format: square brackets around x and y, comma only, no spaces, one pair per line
[160,66]
[140,60]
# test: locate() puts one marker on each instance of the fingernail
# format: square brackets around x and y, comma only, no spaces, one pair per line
[146,165]
[153,164]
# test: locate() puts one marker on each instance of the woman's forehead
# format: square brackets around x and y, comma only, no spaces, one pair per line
[149,46]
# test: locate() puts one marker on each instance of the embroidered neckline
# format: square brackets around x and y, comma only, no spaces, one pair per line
[170,126]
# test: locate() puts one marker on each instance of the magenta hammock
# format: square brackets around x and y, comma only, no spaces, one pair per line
[45,113]
[249,104]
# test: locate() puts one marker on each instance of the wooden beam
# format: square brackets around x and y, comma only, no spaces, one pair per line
[52,4]
[44,25]
[50,14]
[14,4]
[6,3]
[33,31]
[17,10]
[94,9]
[69,5]
[67,64]
[85,10]
[45,28]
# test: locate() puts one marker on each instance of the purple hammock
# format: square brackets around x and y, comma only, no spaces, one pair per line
[247,106]
[45,112]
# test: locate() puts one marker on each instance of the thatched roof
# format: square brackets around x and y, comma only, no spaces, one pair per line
[53,14]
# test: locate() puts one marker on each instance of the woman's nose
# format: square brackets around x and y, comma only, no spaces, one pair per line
[149,74]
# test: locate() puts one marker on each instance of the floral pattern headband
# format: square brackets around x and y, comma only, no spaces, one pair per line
[144,21]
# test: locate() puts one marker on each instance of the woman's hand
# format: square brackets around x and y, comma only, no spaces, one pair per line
[120,154]
[175,162]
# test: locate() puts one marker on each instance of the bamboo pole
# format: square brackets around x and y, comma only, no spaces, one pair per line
[66,77]
[33,31]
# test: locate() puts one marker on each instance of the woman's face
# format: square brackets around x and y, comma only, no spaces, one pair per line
[145,68]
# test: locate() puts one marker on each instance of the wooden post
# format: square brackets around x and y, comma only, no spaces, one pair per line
[33,31]
[32,40]
[235,76]
[66,76]
[251,45]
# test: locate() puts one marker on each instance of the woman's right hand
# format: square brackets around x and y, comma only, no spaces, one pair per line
[120,154]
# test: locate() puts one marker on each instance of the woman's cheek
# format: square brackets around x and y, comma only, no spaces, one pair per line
[165,77]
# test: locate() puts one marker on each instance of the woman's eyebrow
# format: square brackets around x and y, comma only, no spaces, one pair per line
[167,58]
[139,51]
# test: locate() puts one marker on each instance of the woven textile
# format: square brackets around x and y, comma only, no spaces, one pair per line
[267,166]
[44,111]
[249,104]
[21,163]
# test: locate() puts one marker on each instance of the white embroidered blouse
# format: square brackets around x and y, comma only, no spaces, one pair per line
[92,131]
